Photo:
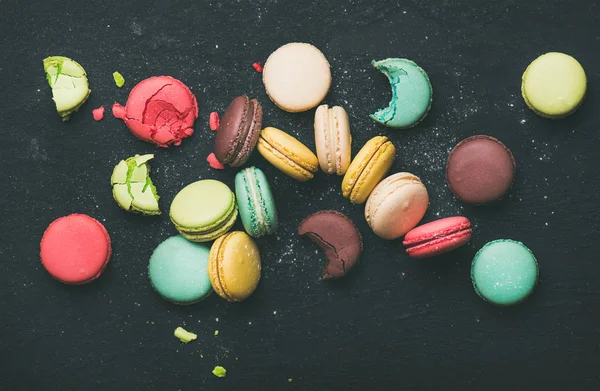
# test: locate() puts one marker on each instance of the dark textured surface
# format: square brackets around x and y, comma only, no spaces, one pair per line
[394,323]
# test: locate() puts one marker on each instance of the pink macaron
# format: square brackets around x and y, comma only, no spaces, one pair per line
[437,237]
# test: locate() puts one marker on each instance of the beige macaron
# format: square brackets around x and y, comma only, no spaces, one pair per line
[333,139]
[297,77]
[396,205]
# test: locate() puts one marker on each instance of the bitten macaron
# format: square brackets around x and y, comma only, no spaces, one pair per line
[396,205]
[554,85]
[504,272]
[288,154]
[480,169]
[204,210]
[256,204]
[333,139]
[234,266]
[178,270]
[438,237]
[238,131]
[297,77]
[368,168]
[75,249]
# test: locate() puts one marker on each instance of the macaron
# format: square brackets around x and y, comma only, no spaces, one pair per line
[338,238]
[411,93]
[75,249]
[333,139]
[234,266]
[554,85]
[288,154]
[369,166]
[480,169]
[396,205]
[204,210]
[256,204]
[69,84]
[160,110]
[238,132]
[178,270]
[504,272]
[132,187]
[438,237]
[297,77]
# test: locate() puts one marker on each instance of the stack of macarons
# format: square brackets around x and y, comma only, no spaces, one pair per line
[183,269]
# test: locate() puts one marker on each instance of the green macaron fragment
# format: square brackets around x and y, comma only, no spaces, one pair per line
[69,83]
[132,187]
[504,272]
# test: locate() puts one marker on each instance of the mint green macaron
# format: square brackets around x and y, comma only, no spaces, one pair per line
[178,270]
[255,202]
[504,272]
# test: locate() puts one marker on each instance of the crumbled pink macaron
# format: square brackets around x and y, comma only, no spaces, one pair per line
[98,113]
[214,162]
[214,121]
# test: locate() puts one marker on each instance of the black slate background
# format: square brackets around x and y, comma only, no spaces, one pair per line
[395,323]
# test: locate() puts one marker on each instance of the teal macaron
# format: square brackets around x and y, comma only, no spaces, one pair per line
[178,270]
[504,272]
[255,202]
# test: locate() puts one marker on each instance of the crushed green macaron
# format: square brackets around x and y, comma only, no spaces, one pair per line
[184,335]
[69,83]
[119,79]
[219,371]
[132,187]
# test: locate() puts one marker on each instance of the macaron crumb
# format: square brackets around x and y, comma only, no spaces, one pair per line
[184,335]
[219,371]
[214,121]
[216,332]
[119,79]
[214,162]
[98,113]
[290,380]
[258,67]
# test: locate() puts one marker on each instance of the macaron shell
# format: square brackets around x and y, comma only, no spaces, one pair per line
[297,77]
[235,266]
[554,85]
[178,270]
[202,205]
[396,205]
[333,140]
[440,245]
[504,272]
[287,154]
[75,249]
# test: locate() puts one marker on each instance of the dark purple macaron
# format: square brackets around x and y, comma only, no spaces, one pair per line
[480,169]
[238,132]
[339,239]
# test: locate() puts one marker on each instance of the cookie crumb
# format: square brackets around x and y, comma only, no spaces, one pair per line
[119,79]
[257,67]
[214,162]
[184,335]
[290,380]
[214,121]
[219,371]
[98,113]
[216,332]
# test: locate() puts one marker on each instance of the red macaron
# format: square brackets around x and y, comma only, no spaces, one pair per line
[75,249]
[437,237]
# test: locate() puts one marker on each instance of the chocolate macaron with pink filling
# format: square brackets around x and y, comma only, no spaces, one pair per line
[238,131]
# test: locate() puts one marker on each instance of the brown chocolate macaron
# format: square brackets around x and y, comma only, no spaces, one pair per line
[239,131]
[480,169]
[339,239]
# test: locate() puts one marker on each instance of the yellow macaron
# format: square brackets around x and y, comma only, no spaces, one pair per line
[234,266]
[287,154]
[554,85]
[368,168]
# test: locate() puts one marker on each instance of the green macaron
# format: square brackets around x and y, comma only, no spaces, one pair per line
[255,202]
[504,272]
[69,83]
[132,187]
[178,270]
[204,210]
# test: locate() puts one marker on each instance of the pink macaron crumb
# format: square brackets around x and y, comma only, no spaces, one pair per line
[214,162]
[98,113]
